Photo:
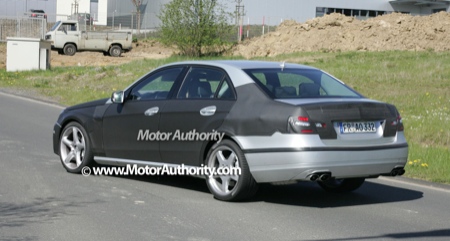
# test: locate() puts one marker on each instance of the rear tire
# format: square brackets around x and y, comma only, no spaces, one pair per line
[115,51]
[230,187]
[70,49]
[341,185]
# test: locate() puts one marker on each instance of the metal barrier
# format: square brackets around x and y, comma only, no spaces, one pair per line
[24,27]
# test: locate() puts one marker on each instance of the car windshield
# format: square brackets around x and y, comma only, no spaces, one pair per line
[55,26]
[300,83]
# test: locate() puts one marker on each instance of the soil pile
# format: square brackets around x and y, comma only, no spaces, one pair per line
[337,32]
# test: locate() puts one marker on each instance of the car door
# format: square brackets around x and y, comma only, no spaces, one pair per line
[205,98]
[130,129]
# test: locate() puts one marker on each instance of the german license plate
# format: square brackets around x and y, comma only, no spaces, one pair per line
[357,127]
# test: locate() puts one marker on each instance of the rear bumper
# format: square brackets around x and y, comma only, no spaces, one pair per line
[289,158]
[298,165]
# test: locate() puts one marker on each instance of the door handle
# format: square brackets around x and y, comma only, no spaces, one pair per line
[208,111]
[151,111]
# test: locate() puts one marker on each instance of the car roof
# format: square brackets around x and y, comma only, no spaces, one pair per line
[244,64]
[235,68]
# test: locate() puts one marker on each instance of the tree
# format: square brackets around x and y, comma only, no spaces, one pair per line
[196,27]
[137,4]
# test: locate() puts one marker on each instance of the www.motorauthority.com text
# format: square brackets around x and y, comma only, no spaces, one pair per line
[162,170]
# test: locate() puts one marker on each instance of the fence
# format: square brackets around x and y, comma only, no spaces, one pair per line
[25,27]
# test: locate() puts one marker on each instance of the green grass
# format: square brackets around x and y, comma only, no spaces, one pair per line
[418,83]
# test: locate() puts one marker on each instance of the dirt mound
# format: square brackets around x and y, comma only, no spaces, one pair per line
[337,32]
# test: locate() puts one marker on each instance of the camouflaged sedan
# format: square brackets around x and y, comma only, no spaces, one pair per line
[277,122]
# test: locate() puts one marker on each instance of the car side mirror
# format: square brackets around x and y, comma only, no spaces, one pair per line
[117,97]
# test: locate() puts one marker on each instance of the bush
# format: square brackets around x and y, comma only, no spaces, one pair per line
[196,27]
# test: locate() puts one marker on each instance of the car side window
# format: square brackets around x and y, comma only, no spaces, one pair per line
[226,90]
[200,83]
[156,85]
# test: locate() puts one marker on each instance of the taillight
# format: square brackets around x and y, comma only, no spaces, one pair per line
[302,121]
[302,124]
[399,123]
[307,131]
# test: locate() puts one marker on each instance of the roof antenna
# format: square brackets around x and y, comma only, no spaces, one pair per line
[282,65]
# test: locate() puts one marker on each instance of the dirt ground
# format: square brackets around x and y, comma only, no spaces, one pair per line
[148,49]
[333,32]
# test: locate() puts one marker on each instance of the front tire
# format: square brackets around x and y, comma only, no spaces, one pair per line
[341,185]
[230,187]
[75,148]
[69,49]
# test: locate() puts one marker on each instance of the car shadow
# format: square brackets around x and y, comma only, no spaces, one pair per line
[439,233]
[307,194]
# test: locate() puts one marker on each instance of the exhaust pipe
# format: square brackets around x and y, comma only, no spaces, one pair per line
[319,176]
[313,177]
[324,177]
[397,171]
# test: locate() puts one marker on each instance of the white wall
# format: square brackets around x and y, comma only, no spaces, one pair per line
[65,8]
[102,12]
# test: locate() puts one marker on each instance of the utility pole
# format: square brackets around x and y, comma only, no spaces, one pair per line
[239,15]
[137,4]
[75,7]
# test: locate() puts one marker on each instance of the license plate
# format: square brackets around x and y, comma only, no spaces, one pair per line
[357,127]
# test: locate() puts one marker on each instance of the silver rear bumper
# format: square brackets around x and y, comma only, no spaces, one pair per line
[273,163]
[288,166]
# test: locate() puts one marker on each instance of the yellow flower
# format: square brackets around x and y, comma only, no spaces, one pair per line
[424,165]
[410,162]
[416,161]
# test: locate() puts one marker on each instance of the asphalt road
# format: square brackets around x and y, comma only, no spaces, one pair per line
[39,200]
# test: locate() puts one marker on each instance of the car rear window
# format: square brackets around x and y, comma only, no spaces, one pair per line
[300,83]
